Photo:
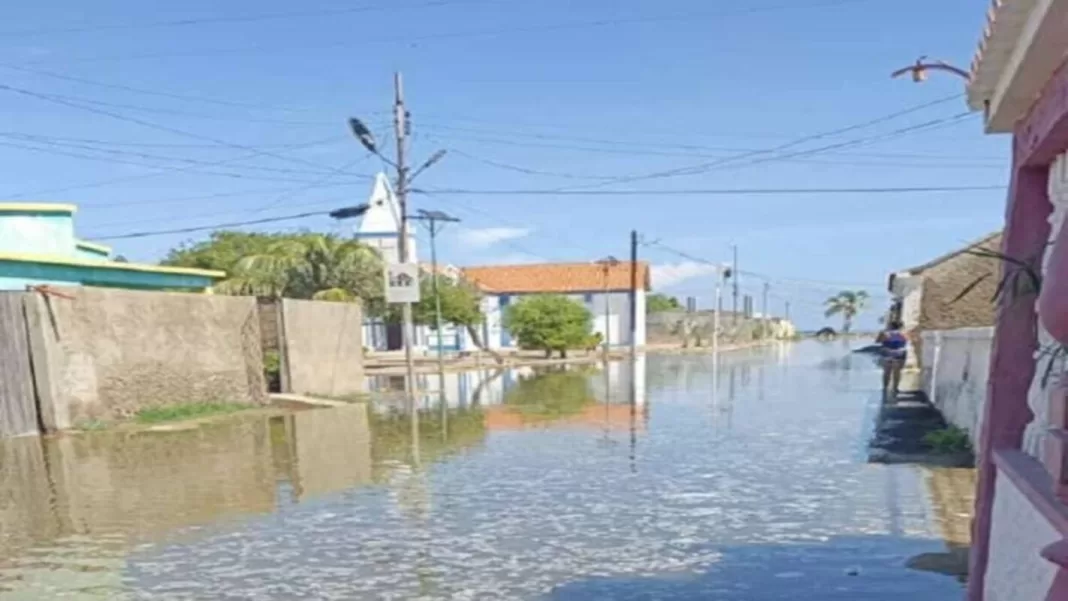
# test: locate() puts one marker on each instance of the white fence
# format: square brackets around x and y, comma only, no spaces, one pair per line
[956,365]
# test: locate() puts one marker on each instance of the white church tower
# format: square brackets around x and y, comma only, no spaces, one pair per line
[379,227]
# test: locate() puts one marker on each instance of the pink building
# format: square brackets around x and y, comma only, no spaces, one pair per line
[1020,79]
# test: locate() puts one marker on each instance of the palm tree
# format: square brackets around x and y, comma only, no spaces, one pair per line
[315,266]
[848,303]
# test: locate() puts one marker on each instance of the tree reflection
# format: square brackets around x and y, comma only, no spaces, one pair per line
[550,395]
[441,435]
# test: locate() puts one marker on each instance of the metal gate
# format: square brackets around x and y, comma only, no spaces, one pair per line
[18,407]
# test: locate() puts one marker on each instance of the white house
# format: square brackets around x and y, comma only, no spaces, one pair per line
[605,291]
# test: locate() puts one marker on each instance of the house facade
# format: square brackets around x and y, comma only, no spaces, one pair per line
[38,247]
[948,304]
[605,290]
[1019,79]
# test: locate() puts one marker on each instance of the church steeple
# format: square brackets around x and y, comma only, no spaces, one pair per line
[380,225]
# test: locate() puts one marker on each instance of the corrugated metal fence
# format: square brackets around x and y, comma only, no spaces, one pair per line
[18,409]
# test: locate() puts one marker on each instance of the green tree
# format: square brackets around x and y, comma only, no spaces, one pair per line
[460,306]
[657,303]
[848,304]
[305,265]
[549,322]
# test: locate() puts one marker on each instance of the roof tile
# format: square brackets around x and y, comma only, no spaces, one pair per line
[556,277]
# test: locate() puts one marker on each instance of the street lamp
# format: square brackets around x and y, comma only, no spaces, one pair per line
[920,67]
[350,212]
[367,139]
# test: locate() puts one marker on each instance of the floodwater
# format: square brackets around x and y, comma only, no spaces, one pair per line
[662,480]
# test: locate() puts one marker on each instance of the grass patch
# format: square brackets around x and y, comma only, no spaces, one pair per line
[170,413]
[948,440]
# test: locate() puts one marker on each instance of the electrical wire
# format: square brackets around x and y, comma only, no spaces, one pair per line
[164,128]
[364,41]
[711,191]
[215,226]
[226,19]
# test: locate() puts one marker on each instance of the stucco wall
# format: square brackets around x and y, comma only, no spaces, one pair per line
[956,365]
[1016,570]
[323,347]
[107,353]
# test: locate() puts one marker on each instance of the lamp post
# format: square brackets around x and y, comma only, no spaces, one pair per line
[404,179]
[920,68]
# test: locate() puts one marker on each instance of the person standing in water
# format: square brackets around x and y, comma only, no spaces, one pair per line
[894,346]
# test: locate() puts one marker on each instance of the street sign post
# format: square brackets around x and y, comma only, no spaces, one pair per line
[402,283]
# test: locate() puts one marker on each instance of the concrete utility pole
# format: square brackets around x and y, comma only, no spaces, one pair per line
[734,274]
[436,221]
[400,131]
[764,309]
[634,293]
[404,179]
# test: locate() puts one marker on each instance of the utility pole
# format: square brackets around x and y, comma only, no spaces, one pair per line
[634,293]
[764,310]
[734,274]
[404,179]
[787,311]
[436,221]
[400,131]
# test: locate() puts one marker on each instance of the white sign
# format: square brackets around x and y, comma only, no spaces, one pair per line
[402,283]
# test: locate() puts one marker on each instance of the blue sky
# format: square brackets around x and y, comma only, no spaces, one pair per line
[577,92]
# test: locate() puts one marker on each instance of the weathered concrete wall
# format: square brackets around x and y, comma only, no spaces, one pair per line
[956,364]
[1016,570]
[107,353]
[323,348]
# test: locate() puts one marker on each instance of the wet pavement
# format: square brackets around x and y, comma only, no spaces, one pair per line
[666,480]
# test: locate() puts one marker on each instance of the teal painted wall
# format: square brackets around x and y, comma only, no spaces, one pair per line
[15,275]
[40,233]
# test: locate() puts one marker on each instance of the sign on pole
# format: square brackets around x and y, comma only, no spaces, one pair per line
[402,283]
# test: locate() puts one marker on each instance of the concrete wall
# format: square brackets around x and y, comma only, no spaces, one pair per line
[1016,571]
[107,353]
[956,365]
[323,348]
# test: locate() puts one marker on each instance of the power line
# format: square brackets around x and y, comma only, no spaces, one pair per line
[571,175]
[577,25]
[642,148]
[223,19]
[165,128]
[192,169]
[157,157]
[163,170]
[136,90]
[188,230]
[712,191]
[703,167]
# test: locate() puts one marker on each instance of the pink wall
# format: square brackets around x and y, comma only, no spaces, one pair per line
[1038,139]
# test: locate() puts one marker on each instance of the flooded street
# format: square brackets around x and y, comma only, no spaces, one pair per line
[662,482]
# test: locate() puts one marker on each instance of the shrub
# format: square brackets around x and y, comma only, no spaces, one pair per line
[948,440]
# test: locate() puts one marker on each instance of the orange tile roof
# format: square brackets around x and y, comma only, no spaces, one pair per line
[556,277]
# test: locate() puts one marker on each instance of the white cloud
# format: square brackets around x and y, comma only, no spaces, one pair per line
[486,237]
[671,274]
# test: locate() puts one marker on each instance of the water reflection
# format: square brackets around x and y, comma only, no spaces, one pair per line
[507,492]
